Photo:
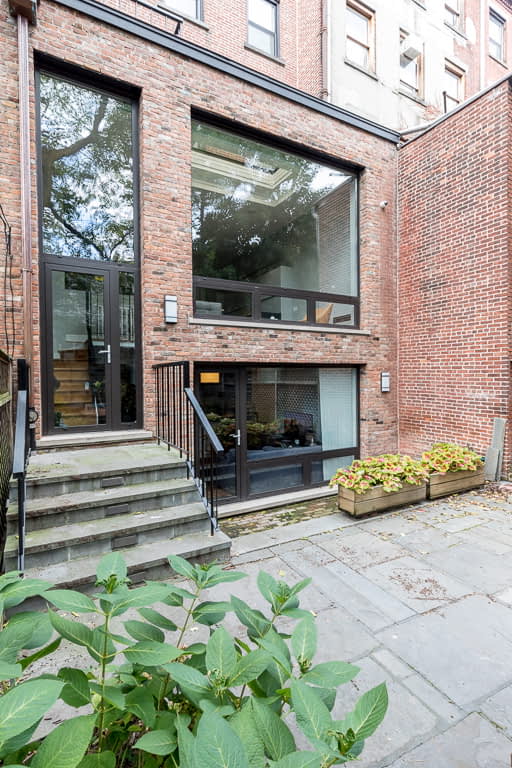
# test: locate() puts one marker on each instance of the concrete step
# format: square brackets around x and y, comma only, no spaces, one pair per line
[95,537]
[82,506]
[148,561]
[65,472]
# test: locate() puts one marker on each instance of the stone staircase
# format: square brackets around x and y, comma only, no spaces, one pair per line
[83,503]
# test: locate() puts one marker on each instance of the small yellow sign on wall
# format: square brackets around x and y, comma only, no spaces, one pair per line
[209,377]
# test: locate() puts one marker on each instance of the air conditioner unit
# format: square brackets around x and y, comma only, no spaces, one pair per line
[411,47]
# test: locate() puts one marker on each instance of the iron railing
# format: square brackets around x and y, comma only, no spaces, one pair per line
[182,424]
[6,445]
[22,443]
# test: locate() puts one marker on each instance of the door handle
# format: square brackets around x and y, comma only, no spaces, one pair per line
[106,352]
[236,435]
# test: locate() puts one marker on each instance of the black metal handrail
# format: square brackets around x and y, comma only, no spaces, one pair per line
[182,424]
[22,452]
[6,445]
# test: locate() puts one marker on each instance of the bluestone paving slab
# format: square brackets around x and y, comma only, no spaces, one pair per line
[459,523]
[428,539]
[472,743]
[498,708]
[357,547]
[489,539]
[263,539]
[436,701]
[464,649]
[415,583]
[484,571]
[392,663]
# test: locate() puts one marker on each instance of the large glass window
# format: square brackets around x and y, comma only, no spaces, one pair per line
[87,172]
[262,26]
[274,234]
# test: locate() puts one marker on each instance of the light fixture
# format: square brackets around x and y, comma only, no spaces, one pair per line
[171,309]
[385,381]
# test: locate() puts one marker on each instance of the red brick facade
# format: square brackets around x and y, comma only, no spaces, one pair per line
[454,286]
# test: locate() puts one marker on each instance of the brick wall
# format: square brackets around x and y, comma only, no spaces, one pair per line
[171,86]
[454,296]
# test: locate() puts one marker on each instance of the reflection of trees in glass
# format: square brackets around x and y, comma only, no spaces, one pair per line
[237,238]
[87,180]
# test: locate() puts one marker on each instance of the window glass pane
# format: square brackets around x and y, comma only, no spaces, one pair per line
[496,37]
[216,302]
[357,53]
[409,72]
[328,312]
[357,26]
[87,172]
[451,13]
[263,13]
[324,469]
[265,41]
[186,7]
[128,369]
[267,216]
[264,479]
[283,308]
[451,84]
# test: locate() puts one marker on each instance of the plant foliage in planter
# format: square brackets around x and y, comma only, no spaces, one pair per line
[225,703]
[390,470]
[448,457]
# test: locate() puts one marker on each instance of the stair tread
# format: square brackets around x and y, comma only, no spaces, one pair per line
[101,528]
[110,496]
[104,462]
[82,570]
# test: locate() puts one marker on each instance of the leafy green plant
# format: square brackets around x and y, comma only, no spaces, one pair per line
[229,702]
[391,470]
[448,457]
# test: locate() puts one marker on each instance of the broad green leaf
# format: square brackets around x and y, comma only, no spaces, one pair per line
[76,691]
[300,760]
[73,631]
[296,613]
[69,600]
[195,685]
[210,612]
[18,591]
[369,712]
[299,586]
[13,746]
[176,596]
[112,564]
[157,743]
[217,745]
[223,577]
[141,703]
[151,654]
[276,735]
[244,724]
[157,619]
[42,630]
[216,706]
[249,667]
[267,586]
[40,654]
[257,624]
[25,704]
[134,598]
[12,639]
[183,567]
[304,639]
[111,693]
[99,760]
[139,630]
[102,646]
[220,653]
[330,674]
[186,742]
[9,671]
[9,578]
[66,745]
[312,715]
[274,644]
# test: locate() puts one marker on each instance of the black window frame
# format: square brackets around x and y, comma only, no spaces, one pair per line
[277,43]
[258,290]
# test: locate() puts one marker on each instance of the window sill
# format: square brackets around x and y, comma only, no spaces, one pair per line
[276,59]
[420,3]
[457,31]
[498,61]
[182,17]
[416,99]
[363,71]
[277,326]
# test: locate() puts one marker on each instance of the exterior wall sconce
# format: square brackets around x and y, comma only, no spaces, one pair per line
[171,309]
[385,381]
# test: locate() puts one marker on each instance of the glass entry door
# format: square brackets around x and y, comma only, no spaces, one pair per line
[91,368]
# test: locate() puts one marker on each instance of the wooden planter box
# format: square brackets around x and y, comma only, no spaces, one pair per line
[376,499]
[444,484]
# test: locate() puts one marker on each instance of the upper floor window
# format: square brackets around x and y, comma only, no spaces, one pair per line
[452,13]
[496,36]
[262,30]
[87,194]
[190,8]
[453,86]
[274,233]
[411,64]
[359,36]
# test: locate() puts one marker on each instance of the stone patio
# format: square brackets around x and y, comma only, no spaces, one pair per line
[420,598]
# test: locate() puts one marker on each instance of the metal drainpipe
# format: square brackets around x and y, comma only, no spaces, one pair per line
[25,179]
[324,86]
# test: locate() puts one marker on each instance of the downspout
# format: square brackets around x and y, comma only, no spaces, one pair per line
[483,7]
[324,50]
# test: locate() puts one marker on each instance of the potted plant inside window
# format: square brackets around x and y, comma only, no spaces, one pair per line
[380,482]
[452,468]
